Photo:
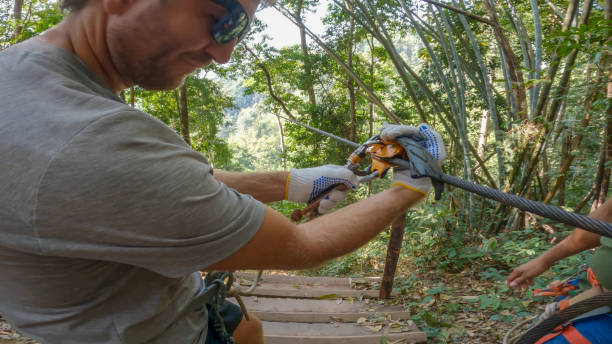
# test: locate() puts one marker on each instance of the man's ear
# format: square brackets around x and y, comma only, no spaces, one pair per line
[117,6]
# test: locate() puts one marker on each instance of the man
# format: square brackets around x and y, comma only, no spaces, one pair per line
[106,215]
[578,241]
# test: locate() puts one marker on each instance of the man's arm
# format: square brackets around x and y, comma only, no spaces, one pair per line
[265,187]
[578,241]
[280,244]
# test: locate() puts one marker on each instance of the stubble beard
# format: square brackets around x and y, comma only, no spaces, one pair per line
[150,73]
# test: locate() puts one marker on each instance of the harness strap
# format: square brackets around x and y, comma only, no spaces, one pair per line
[547,337]
[573,336]
[592,279]
[570,333]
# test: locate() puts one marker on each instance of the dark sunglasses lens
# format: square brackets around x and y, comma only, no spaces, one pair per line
[234,25]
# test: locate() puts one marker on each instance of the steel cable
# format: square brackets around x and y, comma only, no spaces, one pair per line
[421,163]
[554,213]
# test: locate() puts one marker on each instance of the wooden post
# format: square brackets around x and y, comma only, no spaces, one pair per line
[393,251]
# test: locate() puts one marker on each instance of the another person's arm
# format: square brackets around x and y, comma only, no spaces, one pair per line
[580,240]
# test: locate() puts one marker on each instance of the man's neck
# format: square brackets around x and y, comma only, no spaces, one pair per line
[84,34]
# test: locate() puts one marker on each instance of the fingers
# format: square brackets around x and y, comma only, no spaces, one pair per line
[334,197]
[433,142]
[519,280]
[423,133]
[391,131]
[307,183]
[346,176]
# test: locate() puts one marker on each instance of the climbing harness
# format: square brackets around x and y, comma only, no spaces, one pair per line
[562,288]
[214,293]
[422,164]
[558,317]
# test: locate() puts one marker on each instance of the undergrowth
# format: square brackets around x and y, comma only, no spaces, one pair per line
[452,276]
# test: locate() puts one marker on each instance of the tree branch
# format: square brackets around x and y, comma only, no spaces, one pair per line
[458,10]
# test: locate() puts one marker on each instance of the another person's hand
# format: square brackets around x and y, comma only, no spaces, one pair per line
[431,140]
[304,185]
[522,277]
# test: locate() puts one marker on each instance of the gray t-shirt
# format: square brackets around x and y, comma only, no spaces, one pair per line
[106,215]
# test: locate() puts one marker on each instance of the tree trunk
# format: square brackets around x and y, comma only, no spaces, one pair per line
[530,147]
[482,136]
[370,104]
[602,182]
[514,67]
[132,96]
[17,10]
[557,99]
[350,83]
[184,113]
[571,144]
[307,66]
[282,142]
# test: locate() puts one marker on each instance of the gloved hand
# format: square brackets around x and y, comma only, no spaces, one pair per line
[429,139]
[305,184]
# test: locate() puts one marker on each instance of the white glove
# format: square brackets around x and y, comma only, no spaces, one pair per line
[305,184]
[432,141]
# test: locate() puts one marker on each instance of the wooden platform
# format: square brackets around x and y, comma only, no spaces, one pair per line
[324,310]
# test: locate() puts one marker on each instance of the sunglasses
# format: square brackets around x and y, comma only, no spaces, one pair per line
[235,24]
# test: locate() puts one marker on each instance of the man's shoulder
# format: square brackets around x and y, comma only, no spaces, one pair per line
[42,71]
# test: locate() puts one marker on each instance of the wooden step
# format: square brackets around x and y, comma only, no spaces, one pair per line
[339,333]
[320,311]
[292,311]
[310,287]
[308,280]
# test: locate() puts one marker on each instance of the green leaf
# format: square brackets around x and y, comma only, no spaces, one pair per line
[328,296]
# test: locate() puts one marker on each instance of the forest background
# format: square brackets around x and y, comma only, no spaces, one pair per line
[520,91]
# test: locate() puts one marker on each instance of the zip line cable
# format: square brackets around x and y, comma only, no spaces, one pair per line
[422,164]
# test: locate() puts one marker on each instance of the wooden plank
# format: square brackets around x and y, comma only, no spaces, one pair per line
[310,287]
[305,292]
[403,338]
[306,280]
[277,332]
[310,305]
[326,330]
[319,311]
[305,317]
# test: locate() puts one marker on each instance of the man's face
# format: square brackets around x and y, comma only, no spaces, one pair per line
[156,43]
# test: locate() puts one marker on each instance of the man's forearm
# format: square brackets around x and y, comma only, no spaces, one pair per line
[280,244]
[351,227]
[265,186]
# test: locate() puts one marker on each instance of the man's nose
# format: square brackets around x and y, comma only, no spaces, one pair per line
[221,53]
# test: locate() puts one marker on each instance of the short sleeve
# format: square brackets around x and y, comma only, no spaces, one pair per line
[127,189]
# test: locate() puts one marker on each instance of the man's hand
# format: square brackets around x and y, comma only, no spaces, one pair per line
[432,140]
[304,185]
[522,277]
[429,139]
